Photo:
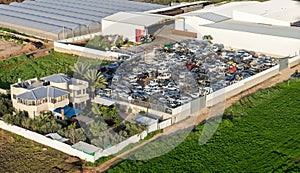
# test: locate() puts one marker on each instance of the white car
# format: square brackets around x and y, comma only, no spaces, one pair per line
[184,100]
[116,78]
[163,100]
[164,76]
[153,84]
[148,91]
[136,86]
[183,75]
[163,69]
[133,78]
[195,95]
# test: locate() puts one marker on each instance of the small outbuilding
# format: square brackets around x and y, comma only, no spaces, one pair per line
[152,124]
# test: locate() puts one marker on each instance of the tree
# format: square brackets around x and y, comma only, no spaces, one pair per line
[73,134]
[96,79]
[97,127]
[9,119]
[100,82]
[106,112]
[5,105]
[80,68]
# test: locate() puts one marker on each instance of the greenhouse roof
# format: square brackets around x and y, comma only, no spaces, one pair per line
[55,16]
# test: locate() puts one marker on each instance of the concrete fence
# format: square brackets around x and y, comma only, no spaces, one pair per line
[3,91]
[294,61]
[86,52]
[80,38]
[118,147]
[46,141]
[68,148]
[164,124]
[235,89]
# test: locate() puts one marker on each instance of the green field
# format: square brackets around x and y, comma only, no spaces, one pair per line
[27,68]
[265,139]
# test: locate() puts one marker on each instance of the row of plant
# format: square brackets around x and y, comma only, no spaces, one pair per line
[260,133]
[11,38]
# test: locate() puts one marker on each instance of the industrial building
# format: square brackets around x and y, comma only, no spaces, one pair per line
[132,25]
[268,27]
[60,19]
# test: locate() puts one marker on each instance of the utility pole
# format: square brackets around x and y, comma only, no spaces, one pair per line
[63,32]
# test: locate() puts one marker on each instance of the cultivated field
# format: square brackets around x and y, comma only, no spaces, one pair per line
[21,155]
[27,68]
[260,133]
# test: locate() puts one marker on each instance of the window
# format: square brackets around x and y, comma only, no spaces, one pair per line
[14,96]
[78,92]
[84,91]
[53,101]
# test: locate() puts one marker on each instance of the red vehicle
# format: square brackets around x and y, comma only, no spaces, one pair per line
[231,69]
[191,66]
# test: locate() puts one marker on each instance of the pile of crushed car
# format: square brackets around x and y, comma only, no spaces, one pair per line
[177,73]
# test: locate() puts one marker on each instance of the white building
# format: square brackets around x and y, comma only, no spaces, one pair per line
[51,93]
[266,27]
[132,25]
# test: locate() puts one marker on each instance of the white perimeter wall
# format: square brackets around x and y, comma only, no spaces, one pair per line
[86,52]
[46,141]
[268,44]
[124,29]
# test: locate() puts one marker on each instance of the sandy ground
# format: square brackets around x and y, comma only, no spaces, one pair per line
[10,49]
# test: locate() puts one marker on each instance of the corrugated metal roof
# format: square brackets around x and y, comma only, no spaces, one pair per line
[211,16]
[57,16]
[289,32]
[145,120]
[141,19]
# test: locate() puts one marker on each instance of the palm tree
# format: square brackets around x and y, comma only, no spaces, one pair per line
[96,79]
[100,82]
[80,68]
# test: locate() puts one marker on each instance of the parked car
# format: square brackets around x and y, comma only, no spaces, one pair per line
[164,76]
[133,78]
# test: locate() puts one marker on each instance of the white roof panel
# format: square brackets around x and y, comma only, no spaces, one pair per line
[104,101]
[145,120]
[142,19]
[286,10]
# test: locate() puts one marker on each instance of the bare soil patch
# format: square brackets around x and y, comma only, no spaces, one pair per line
[18,154]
